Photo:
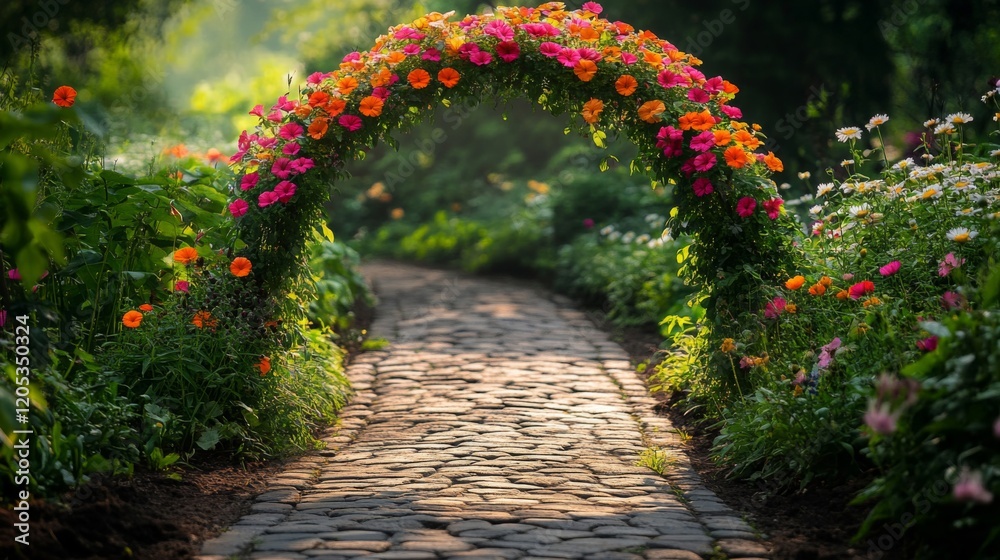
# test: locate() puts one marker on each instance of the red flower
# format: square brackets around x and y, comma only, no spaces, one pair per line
[746,206]
[64,96]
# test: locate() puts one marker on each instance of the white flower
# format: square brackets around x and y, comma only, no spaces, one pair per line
[995,153]
[927,157]
[968,212]
[903,164]
[805,175]
[933,191]
[960,118]
[816,210]
[946,128]
[860,211]
[877,120]
[824,188]
[848,133]
[642,239]
[615,236]
[606,230]
[628,238]
[930,123]
[785,186]
[962,235]
[847,162]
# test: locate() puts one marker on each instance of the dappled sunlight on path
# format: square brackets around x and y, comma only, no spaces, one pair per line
[497,424]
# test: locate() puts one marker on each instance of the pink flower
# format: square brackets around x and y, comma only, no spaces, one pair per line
[731,112]
[703,142]
[316,78]
[381,92]
[466,51]
[698,95]
[880,419]
[267,143]
[275,116]
[352,57]
[861,289]
[508,51]
[746,362]
[827,352]
[746,206]
[629,58]
[432,55]
[291,131]
[550,50]
[282,168]
[590,54]
[285,190]
[14,274]
[539,30]
[928,344]
[568,57]
[702,187]
[499,29]
[773,208]
[704,162]
[950,262]
[291,148]
[182,286]
[952,300]
[593,7]
[238,207]
[588,223]
[481,58]
[257,111]
[775,307]
[350,122]
[3,318]
[411,49]
[284,104]
[302,165]
[668,79]
[847,277]
[668,134]
[249,181]
[969,488]
[713,85]
[890,269]
[409,33]
[266,199]
[696,75]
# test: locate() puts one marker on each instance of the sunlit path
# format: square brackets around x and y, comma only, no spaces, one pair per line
[497,424]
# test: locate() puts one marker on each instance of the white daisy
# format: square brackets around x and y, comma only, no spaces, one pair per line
[960,118]
[642,239]
[606,230]
[968,212]
[930,123]
[962,235]
[927,157]
[847,162]
[933,191]
[805,175]
[824,188]
[628,238]
[785,186]
[903,164]
[995,153]
[877,120]
[816,210]
[848,133]
[614,236]
[860,211]
[946,128]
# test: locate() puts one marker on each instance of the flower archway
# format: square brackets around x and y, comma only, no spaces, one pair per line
[609,76]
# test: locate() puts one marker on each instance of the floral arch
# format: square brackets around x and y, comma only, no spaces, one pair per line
[610,77]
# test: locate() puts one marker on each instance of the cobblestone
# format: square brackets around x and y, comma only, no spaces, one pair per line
[498,423]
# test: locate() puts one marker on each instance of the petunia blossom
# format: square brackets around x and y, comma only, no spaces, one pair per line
[550,49]
[951,301]
[568,57]
[282,168]
[481,58]
[928,344]
[970,488]
[704,162]
[301,165]
[266,199]
[773,207]
[182,286]
[291,131]
[703,142]
[702,187]
[775,307]
[351,122]
[508,51]
[284,191]
[746,206]
[880,418]
[238,207]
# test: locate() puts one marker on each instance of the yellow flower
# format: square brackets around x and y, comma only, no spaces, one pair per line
[728,345]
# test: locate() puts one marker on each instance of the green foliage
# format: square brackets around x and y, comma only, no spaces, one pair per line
[339,285]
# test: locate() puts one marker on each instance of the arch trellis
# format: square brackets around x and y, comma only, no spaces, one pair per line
[609,76]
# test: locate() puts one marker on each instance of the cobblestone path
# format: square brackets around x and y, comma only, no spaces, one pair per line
[498,423]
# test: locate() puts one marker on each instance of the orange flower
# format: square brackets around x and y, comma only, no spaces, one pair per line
[204,319]
[592,110]
[132,319]
[589,34]
[395,57]
[745,138]
[318,128]
[146,307]
[397,213]
[179,151]
[736,157]
[650,111]
[826,281]
[626,85]
[346,85]
[240,267]
[371,106]
[791,308]
[186,255]
[419,78]
[319,98]
[64,96]
[652,58]
[303,110]
[843,294]
[817,289]
[383,78]
[335,107]
[585,70]
[795,283]
[449,77]
[773,163]
[453,44]
[696,121]
[729,88]
[264,365]
[722,137]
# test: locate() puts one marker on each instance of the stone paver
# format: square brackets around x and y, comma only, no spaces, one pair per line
[499,423]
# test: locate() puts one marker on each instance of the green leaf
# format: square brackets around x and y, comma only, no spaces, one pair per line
[208,439]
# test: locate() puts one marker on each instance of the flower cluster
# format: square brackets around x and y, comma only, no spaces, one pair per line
[624,79]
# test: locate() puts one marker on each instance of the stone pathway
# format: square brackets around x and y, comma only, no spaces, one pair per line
[498,423]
